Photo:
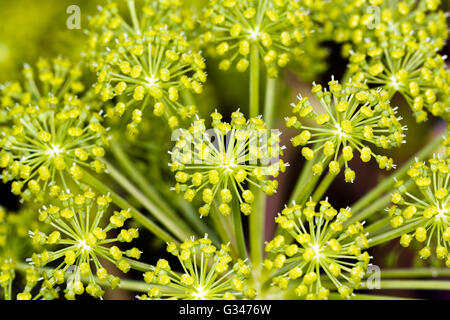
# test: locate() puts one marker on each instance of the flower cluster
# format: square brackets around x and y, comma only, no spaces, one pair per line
[80,242]
[354,116]
[151,14]
[49,133]
[273,29]
[425,208]
[399,52]
[414,71]
[32,277]
[223,163]
[327,253]
[46,148]
[146,65]
[52,83]
[206,274]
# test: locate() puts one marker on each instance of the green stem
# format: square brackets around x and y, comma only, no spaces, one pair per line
[193,218]
[326,182]
[415,273]
[257,227]
[139,179]
[181,230]
[359,296]
[134,18]
[123,204]
[256,219]
[392,234]
[219,224]
[377,225]
[269,103]
[301,181]
[309,186]
[414,284]
[151,192]
[254,80]
[374,207]
[239,230]
[390,181]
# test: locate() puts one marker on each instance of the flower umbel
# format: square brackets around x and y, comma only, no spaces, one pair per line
[355,116]
[225,161]
[206,274]
[46,148]
[325,251]
[275,28]
[48,85]
[425,207]
[409,68]
[82,241]
[152,67]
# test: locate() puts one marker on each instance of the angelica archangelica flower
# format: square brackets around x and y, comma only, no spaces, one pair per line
[424,20]
[149,66]
[425,207]
[324,249]
[223,163]
[51,84]
[356,23]
[276,28]
[206,274]
[355,117]
[79,241]
[47,149]
[149,14]
[413,69]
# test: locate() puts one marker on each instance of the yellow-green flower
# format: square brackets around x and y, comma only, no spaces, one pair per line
[149,66]
[45,87]
[45,150]
[403,65]
[425,208]
[274,28]
[354,118]
[223,163]
[319,253]
[79,241]
[205,274]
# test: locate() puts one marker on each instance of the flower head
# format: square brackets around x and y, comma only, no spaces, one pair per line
[357,22]
[276,28]
[148,65]
[149,14]
[425,208]
[45,87]
[354,117]
[206,274]
[224,162]
[79,241]
[405,66]
[46,149]
[324,248]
